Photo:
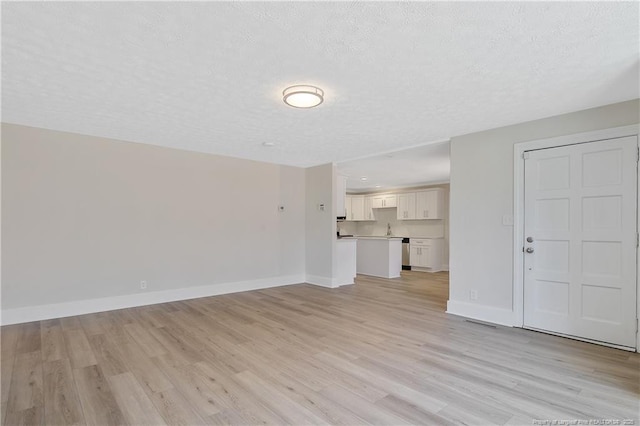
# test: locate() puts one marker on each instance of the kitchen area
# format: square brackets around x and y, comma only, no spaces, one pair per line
[391,231]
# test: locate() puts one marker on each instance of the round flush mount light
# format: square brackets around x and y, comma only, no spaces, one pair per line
[303,96]
[363,178]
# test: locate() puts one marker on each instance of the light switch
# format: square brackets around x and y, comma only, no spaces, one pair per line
[507,220]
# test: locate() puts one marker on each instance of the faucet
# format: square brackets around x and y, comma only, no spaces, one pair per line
[388,229]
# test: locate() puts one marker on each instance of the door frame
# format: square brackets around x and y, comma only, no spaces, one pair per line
[518,208]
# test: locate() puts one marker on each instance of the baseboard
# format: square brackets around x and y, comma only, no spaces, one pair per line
[321,281]
[444,267]
[481,312]
[421,269]
[339,282]
[81,307]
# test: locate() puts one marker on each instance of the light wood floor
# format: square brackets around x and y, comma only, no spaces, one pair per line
[380,352]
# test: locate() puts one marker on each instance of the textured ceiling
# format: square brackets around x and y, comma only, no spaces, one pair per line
[425,164]
[208,76]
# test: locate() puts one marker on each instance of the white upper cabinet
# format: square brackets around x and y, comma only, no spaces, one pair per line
[430,204]
[406,206]
[348,213]
[368,208]
[383,201]
[427,204]
[357,207]
[341,193]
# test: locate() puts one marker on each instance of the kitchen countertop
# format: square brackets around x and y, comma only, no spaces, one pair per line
[381,237]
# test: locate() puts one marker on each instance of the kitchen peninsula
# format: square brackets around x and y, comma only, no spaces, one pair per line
[346,261]
[379,256]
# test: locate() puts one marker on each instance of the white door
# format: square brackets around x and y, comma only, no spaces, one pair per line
[580,240]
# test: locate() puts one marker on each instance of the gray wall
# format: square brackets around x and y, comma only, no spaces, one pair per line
[86,217]
[481,249]
[320,225]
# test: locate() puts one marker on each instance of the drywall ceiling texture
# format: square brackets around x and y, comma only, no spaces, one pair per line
[423,165]
[208,76]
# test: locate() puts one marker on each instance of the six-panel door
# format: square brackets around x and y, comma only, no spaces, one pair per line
[580,240]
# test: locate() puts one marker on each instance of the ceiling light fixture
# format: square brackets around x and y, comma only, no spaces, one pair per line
[303,96]
[363,178]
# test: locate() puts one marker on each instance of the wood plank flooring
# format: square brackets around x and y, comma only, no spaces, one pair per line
[378,352]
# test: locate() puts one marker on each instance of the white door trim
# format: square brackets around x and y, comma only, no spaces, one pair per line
[518,204]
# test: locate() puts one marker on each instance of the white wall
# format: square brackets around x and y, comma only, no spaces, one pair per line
[481,249]
[320,224]
[86,218]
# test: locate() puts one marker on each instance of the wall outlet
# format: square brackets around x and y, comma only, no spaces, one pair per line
[143,285]
[473,294]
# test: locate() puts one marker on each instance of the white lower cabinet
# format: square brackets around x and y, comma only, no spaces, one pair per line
[425,254]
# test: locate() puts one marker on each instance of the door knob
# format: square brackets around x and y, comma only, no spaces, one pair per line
[529,239]
[529,250]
